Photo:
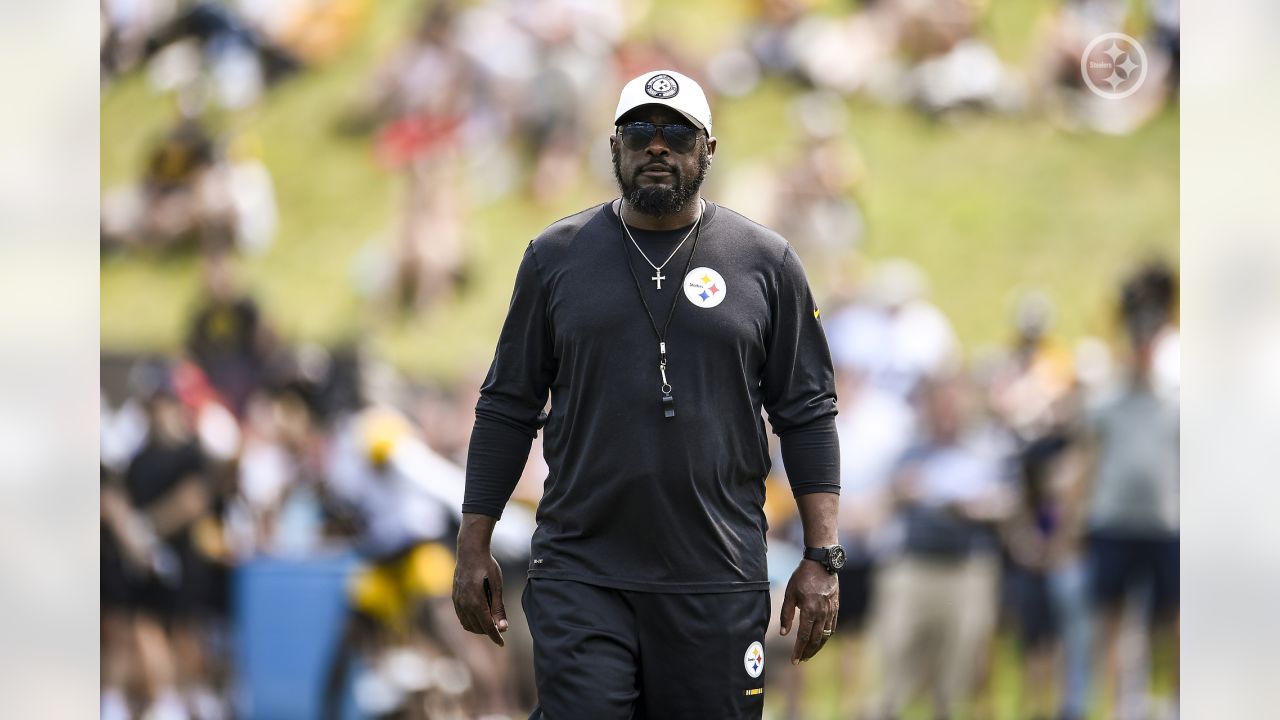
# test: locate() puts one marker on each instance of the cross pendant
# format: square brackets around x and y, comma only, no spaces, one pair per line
[658,279]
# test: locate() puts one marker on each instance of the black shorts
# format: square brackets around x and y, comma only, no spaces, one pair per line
[1033,603]
[199,588]
[608,654]
[1118,563]
[113,578]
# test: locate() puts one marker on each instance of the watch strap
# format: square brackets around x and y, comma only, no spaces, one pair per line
[819,554]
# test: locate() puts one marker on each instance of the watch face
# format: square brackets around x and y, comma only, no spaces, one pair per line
[837,557]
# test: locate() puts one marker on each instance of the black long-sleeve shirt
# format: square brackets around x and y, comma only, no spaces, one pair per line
[635,500]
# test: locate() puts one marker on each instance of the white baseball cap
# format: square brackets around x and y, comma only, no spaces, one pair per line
[670,88]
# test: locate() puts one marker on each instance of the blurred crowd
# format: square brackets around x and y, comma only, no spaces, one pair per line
[245,447]
[1032,491]
[1026,492]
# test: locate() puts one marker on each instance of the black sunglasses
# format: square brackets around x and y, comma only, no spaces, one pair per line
[637,136]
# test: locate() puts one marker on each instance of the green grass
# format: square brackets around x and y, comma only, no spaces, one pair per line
[997,203]
[984,204]
[826,690]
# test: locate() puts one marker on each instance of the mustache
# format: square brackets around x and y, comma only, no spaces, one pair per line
[657,166]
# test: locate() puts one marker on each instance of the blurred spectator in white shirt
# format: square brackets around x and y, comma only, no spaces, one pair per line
[896,333]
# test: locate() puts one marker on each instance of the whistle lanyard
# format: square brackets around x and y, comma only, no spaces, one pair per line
[667,399]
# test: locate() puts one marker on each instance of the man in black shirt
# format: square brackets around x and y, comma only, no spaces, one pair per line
[228,338]
[660,325]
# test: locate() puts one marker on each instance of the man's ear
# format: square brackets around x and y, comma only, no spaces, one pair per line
[613,143]
[711,148]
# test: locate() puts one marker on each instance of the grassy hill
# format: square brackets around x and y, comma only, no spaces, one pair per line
[984,204]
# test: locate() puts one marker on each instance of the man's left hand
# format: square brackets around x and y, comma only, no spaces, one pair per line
[817,594]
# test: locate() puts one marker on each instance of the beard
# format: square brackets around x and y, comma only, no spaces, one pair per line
[657,200]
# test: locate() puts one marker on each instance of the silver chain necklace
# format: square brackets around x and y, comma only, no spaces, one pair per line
[658,277]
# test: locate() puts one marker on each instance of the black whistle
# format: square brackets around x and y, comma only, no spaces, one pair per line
[668,405]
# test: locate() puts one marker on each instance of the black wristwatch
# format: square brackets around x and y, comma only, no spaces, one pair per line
[831,557]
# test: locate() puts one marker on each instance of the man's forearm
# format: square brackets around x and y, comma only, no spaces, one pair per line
[476,533]
[818,516]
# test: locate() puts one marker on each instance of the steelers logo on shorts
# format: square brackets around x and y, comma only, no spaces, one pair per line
[705,287]
[662,87]
[753,661]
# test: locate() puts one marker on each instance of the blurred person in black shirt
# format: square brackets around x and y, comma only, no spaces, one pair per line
[158,520]
[228,338]
[1047,582]
[1035,395]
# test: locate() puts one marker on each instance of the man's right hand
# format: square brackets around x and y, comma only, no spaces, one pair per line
[479,609]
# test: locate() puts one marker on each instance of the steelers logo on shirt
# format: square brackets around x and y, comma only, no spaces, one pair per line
[705,287]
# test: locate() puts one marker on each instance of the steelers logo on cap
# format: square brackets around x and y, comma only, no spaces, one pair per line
[662,86]
[704,287]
